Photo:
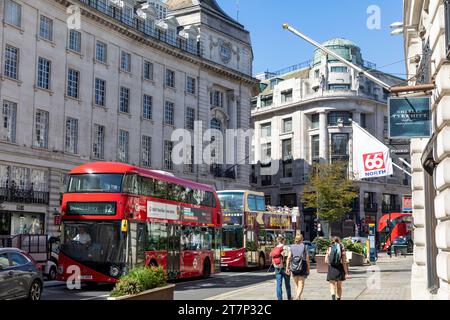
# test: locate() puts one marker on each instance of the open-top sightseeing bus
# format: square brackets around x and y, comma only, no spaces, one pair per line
[249,231]
[118,216]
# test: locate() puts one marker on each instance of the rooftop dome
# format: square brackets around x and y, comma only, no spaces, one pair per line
[344,47]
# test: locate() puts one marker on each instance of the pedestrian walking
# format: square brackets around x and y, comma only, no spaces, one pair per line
[279,256]
[298,265]
[337,267]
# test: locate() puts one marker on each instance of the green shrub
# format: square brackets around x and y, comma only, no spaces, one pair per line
[139,280]
[322,244]
[126,286]
[353,247]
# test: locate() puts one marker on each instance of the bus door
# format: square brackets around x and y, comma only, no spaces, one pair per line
[138,234]
[173,251]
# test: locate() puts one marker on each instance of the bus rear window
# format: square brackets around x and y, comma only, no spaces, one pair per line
[95,182]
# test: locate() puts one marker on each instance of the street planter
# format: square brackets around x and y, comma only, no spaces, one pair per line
[163,293]
[355,259]
[321,265]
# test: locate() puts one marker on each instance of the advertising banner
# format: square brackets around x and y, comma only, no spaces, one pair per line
[407,204]
[409,117]
[371,158]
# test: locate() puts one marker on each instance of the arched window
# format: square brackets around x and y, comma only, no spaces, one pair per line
[216,124]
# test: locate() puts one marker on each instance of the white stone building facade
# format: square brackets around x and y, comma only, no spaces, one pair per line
[427,38]
[113,89]
[302,116]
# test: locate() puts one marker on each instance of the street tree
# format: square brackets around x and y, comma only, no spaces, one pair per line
[330,192]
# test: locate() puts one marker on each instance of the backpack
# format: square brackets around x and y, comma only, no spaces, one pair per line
[298,263]
[335,256]
[275,254]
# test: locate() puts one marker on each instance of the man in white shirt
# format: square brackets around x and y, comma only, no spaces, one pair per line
[83,237]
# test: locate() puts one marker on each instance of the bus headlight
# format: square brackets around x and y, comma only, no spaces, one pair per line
[114,271]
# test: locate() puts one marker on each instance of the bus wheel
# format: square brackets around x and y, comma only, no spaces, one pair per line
[52,273]
[206,269]
[261,262]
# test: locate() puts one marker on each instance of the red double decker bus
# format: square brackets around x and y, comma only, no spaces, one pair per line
[117,216]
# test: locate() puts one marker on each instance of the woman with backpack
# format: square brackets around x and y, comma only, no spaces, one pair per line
[278,255]
[337,267]
[298,265]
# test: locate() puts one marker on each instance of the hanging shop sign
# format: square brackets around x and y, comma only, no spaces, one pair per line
[409,117]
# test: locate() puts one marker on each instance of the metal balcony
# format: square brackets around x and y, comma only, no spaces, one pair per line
[29,196]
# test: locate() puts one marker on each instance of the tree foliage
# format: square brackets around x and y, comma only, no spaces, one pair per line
[330,191]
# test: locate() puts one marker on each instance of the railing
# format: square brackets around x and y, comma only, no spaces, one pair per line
[8,194]
[371,207]
[140,25]
[295,67]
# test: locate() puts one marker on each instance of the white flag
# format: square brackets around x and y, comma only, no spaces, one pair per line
[371,158]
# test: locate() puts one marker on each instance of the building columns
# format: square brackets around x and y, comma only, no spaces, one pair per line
[324,140]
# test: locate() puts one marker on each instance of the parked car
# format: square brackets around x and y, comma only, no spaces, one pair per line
[312,250]
[20,277]
[361,240]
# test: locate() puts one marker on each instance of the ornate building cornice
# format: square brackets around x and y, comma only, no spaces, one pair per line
[133,34]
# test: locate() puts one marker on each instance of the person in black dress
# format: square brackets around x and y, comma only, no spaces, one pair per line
[337,270]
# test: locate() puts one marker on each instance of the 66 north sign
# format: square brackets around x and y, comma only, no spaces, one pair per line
[374,164]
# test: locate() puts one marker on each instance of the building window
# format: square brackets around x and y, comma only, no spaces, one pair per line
[286,146]
[146,151]
[124,105]
[13,13]
[170,78]
[339,87]
[266,153]
[189,167]
[315,121]
[337,117]
[286,96]
[339,147]
[216,99]
[101,51]
[44,73]
[100,92]
[46,28]
[75,40]
[11,62]
[168,146]
[190,85]
[73,81]
[190,118]
[71,135]
[266,101]
[123,146]
[216,124]
[315,149]
[8,125]
[339,69]
[98,145]
[147,107]
[169,110]
[287,125]
[266,130]
[125,61]
[41,129]
[363,120]
[148,70]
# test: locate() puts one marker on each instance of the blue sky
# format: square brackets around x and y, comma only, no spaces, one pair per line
[275,48]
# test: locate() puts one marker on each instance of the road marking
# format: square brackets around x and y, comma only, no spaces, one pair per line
[223,296]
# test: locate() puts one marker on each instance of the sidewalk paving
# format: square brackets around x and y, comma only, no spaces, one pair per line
[390,281]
